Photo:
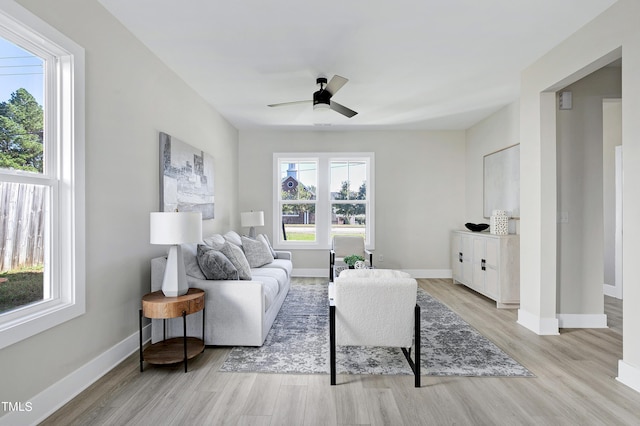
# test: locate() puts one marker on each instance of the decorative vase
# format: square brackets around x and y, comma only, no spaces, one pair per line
[499,223]
[351,267]
[360,265]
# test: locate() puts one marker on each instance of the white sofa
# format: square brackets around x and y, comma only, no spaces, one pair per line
[237,312]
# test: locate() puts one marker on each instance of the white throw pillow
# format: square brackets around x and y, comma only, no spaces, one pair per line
[215,241]
[235,254]
[233,237]
[257,252]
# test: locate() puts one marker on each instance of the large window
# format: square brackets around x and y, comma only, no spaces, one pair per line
[321,195]
[41,176]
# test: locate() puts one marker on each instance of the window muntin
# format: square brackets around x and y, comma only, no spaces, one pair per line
[341,202]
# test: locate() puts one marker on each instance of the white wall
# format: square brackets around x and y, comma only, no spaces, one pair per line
[420,190]
[611,137]
[580,171]
[613,33]
[130,97]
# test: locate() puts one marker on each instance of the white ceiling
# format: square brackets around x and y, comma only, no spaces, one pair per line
[411,64]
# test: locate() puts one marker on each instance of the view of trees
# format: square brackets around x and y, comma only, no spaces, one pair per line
[347,211]
[21,132]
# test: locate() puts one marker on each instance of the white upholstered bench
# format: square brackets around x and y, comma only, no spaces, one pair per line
[374,307]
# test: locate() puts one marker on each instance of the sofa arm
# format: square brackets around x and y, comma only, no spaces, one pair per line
[283,255]
[235,311]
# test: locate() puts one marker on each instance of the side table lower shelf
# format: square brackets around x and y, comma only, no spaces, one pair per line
[172,351]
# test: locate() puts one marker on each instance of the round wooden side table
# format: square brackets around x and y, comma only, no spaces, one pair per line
[178,349]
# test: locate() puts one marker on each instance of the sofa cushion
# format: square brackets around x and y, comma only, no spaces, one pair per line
[235,254]
[283,264]
[271,287]
[257,252]
[233,238]
[215,265]
[277,274]
[215,241]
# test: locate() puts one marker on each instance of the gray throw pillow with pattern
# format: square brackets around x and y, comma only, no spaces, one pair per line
[239,260]
[257,252]
[215,265]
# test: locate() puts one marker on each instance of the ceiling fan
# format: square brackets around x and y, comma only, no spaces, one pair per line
[322,98]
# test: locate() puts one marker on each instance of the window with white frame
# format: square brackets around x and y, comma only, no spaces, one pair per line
[41,176]
[321,195]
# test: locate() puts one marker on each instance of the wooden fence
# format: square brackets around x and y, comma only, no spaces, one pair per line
[22,219]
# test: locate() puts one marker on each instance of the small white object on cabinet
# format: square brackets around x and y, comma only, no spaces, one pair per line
[488,264]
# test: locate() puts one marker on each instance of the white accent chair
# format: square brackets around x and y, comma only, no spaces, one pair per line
[346,245]
[374,307]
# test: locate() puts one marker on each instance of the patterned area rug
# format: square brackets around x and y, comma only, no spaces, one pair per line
[299,343]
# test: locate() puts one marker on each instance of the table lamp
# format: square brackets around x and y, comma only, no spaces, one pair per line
[251,220]
[175,228]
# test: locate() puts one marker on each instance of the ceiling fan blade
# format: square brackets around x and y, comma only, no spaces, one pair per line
[290,103]
[335,84]
[342,109]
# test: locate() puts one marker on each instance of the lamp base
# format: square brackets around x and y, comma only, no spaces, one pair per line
[174,282]
[252,232]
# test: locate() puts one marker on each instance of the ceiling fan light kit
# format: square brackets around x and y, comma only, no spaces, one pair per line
[322,98]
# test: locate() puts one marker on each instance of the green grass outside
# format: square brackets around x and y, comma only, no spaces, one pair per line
[300,236]
[294,233]
[23,286]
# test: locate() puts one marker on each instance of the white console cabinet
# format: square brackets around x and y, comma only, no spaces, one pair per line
[488,264]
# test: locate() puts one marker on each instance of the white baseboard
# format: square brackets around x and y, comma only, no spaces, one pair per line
[540,326]
[55,396]
[611,290]
[582,321]
[629,375]
[415,273]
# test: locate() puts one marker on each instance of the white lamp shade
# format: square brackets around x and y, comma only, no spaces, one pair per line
[175,227]
[249,219]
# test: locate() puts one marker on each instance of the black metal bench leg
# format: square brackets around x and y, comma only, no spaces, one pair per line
[415,362]
[332,342]
[331,265]
[417,345]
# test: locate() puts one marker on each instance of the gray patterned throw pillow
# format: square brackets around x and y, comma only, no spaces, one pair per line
[239,260]
[257,252]
[215,265]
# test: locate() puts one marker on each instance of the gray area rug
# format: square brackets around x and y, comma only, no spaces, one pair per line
[299,343]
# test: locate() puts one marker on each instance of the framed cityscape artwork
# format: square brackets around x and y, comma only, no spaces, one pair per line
[186,178]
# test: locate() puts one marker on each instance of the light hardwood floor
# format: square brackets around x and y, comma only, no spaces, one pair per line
[574,385]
